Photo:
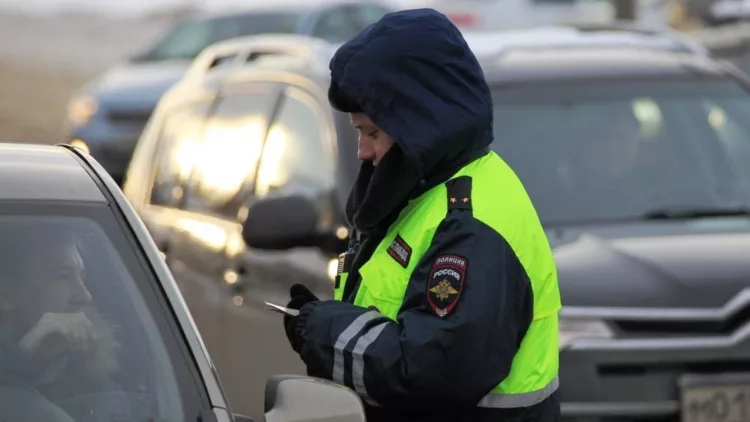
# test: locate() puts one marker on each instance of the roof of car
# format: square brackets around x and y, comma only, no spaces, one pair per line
[300,6]
[206,15]
[613,35]
[234,58]
[589,63]
[44,172]
[532,55]
[535,64]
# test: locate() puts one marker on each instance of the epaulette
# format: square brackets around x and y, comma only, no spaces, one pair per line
[459,193]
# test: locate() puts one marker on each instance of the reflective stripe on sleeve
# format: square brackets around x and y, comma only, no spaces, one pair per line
[506,401]
[343,340]
[358,361]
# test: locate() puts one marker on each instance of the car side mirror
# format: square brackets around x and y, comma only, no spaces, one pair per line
[294,398]
[281,222]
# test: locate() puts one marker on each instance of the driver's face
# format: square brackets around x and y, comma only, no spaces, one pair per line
[54,284]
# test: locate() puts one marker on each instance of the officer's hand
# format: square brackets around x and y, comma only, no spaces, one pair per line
[300,296]
[302,292]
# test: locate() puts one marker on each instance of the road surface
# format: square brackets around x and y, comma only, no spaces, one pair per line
[247,343]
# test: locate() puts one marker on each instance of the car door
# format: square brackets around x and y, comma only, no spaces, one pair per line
[223,169]
[299,153]
[158,188]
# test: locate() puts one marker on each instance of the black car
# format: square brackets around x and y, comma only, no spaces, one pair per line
[636,154]
[92,324]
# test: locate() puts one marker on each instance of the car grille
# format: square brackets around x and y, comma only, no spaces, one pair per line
[681,328]
[673,418]
[711,367]
[641,329]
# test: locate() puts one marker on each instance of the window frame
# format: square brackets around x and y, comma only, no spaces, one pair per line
[329,131]
[248,187]
[161,148]
[195,399]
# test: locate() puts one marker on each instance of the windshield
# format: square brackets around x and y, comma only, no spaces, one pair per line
[187,40]
[82,335]
[619,150]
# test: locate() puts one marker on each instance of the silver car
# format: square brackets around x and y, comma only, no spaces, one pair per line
[92,325]
[107,115]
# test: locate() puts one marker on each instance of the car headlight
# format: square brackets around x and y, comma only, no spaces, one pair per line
[572,329]
[333,269]
[80,145]
[82,109]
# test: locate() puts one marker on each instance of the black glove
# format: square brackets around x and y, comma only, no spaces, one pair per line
[300,296]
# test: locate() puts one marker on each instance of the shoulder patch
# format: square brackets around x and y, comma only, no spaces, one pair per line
[400,251]
[459,193]
[446,282]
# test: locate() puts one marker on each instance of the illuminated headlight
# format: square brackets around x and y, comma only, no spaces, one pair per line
[82,109]
[81,145]
[577,329]
[333,269]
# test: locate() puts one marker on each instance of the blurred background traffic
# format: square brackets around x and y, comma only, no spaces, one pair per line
[627,120]
[51,48]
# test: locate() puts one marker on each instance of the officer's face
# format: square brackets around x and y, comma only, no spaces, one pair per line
[373,143]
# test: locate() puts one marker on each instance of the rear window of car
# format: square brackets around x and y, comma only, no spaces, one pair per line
[83,333]
[602,150]
[186,40]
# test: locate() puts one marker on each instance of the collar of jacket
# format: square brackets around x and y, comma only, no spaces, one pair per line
[380,193]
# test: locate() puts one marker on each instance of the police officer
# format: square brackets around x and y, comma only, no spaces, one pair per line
[446,302]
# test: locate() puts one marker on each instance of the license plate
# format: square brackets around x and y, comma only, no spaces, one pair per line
[716,399]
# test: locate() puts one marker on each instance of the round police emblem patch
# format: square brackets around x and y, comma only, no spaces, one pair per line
[446,283]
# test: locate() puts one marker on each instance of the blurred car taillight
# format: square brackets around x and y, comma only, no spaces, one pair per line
[464,19]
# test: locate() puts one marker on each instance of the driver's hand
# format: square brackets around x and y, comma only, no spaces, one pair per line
[56,333]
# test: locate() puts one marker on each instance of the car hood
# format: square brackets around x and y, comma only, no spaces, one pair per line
[144,82]
[694,264]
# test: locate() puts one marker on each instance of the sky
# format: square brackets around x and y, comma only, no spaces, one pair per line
[135,7]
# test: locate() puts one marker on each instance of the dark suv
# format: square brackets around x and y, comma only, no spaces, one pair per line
[636,154]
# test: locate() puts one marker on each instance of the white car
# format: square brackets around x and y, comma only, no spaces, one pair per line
[92,325]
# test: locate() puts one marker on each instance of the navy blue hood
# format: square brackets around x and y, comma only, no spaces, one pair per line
[414,75]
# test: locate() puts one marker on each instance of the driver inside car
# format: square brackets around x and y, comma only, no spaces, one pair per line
[604,165]
[52,342]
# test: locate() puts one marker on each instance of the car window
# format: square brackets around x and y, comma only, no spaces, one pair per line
[183,42]
[229,148]
[726,119]
[336,25]
[367,14]
[599,151]
[298,150]
[186,40]
[83,334]
[257,23]
[177,145]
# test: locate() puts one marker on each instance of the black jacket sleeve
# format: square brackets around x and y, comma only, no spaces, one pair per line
[467,307]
